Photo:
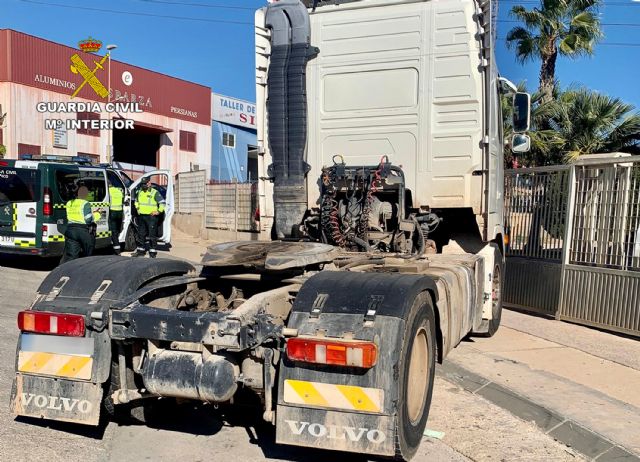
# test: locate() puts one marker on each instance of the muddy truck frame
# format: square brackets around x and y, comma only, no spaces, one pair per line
[381,153]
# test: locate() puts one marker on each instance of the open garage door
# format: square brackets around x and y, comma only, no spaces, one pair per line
[139,147]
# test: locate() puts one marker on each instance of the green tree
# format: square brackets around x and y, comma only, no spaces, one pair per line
[558,27]
[582,121]
[3,151]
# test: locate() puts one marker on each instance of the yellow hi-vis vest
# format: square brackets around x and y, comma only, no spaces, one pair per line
[117,198]
[79,212]
[149,201]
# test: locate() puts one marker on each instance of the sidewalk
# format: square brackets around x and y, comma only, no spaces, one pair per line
[578,385]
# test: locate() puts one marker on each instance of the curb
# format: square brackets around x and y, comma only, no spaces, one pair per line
[589,444]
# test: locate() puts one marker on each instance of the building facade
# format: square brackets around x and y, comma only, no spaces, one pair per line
[234,142]
[42,84]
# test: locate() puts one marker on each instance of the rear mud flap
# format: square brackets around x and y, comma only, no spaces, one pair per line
[338,431]
[56,399]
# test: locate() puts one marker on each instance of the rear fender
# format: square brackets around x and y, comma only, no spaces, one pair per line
[88,287]
[371,307]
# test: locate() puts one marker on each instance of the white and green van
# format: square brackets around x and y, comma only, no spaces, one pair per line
[33,194]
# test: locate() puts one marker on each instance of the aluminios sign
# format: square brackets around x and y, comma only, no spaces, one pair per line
[233,111]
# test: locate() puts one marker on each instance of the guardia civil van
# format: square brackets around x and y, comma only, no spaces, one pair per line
[34,191]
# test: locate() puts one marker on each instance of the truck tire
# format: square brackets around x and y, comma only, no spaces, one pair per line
[497,289]
[417,371]
[129,413]
[130,243]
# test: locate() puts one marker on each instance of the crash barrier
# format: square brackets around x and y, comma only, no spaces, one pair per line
[224,206]
[574,242]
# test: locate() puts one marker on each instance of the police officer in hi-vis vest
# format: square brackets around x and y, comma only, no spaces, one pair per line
[149,204]
[78,240]
[116,199]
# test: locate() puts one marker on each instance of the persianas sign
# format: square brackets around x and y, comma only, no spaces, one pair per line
[50,66]
[233,111]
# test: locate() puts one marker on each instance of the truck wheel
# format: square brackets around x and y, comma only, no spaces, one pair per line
[497,288]
[130,240]
[135,412]
[417,366]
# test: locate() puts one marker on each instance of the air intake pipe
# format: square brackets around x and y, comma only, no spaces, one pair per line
[287,111]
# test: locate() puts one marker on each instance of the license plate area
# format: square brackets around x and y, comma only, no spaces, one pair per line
[56,399]
[58,356]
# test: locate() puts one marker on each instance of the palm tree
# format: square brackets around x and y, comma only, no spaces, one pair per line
[558,27]
[582,122]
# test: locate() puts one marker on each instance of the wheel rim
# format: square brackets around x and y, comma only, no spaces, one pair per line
[418,376]
[496,290]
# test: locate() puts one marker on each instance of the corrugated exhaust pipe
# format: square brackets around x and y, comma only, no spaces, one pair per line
[287,111]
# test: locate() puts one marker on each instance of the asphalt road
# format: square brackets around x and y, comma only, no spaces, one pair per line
[474,429]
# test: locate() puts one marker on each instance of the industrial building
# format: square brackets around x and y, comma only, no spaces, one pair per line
[234,130]
[169,127]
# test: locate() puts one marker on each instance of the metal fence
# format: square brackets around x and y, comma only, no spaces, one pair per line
[190,191]
[574,242]
[231,206]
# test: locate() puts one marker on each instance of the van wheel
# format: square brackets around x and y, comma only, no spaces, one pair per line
[417,363]
[130,240]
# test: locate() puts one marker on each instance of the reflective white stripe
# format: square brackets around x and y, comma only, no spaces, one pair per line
[153,251]
[321,353]
[53,324]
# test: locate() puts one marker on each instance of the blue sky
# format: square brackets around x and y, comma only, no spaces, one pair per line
[220,54]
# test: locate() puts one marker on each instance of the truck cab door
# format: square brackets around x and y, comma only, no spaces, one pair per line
[162,181]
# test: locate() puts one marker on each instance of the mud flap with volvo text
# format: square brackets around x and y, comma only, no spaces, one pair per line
[377,410]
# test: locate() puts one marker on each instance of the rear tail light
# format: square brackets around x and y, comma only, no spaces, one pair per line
[256,217]
[333,352]
[42,322]
[47,208]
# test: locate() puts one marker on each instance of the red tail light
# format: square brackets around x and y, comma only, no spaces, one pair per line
[334,352]
[47,208]
[43,322]
[256,217]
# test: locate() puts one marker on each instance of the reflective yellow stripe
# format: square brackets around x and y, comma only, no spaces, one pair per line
[60,365]
[334,396]
[73,366]
[308,392]
[357,397]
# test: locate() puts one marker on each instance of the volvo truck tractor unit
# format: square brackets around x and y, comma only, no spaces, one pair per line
[381,156]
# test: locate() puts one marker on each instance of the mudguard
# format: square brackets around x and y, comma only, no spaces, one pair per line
[358,306]
[89,287]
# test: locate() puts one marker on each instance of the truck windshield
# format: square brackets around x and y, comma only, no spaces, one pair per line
[19,185]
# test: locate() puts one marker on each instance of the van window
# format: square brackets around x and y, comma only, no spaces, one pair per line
[115,180]
[19,185]
[69,182]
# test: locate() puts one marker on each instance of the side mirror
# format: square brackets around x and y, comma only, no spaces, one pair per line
[521,112]
[520,143]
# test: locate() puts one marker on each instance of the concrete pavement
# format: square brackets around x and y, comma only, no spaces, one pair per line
[578,384]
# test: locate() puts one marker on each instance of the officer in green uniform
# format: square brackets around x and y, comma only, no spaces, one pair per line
[149,205]
[116,198]
[78,240]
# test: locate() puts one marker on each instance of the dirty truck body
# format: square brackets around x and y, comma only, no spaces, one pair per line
[381,181]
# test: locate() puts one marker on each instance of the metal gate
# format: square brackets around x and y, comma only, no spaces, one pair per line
[574,249]
[535,219]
